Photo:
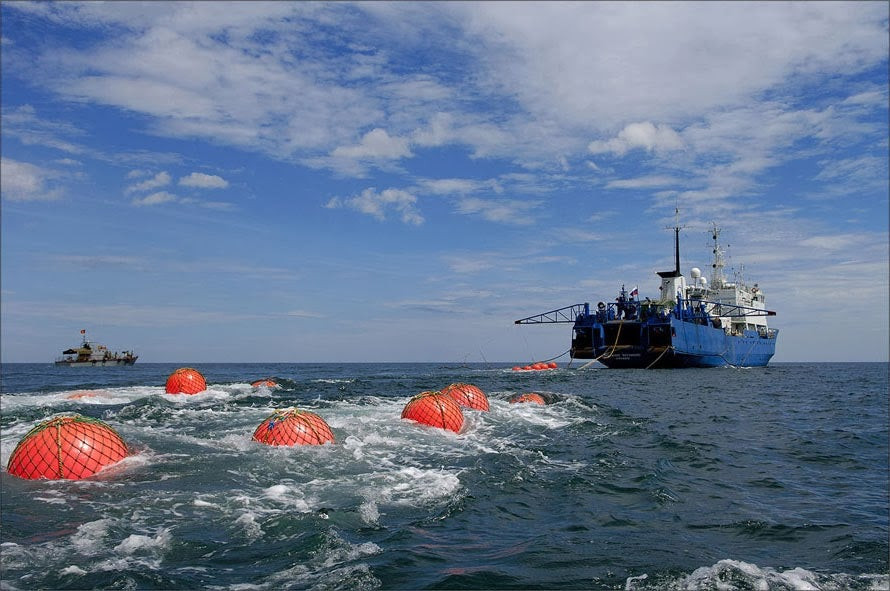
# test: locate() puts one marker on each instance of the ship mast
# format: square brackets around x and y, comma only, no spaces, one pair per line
[673,282]
[717,277]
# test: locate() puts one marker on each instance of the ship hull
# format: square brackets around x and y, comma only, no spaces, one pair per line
[675,344]
[97,362]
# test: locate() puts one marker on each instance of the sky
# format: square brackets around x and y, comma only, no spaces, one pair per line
[399,182]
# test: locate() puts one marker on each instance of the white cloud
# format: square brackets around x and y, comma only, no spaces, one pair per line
[21,181]
[22,122]
[645,135]
[161,179]
[204,181]
[376,204]
[503,211]
[452,186]
[643,182]
[376,144]
[155,199]
[619,62]
[509,87]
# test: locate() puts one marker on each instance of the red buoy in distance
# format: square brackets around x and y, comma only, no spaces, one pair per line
[467,395]
[436,410]
[268,382]
[530,397]
[292,426]
[185,380]
[69,447]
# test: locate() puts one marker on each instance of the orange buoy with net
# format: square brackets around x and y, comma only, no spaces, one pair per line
[68,447]
[292,426]
[186,380]
[436,410]
[268,382]
[82,394]
[530,397]
[467,395]
[552,365]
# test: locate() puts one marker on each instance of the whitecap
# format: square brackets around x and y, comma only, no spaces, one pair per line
[249,526]
[369,512]
[140,543]
[88,537]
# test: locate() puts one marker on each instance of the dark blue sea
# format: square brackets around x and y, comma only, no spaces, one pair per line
[763,478]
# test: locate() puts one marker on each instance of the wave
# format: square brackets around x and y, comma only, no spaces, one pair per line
[738,575]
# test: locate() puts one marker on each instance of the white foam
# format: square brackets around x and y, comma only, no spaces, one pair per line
[411,485]
[276,491]
[88,537]
[249,526]
[139,543]
[72,570]
[760,578]
[369,512]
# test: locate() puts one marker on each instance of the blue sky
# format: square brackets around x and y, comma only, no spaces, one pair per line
[400,181]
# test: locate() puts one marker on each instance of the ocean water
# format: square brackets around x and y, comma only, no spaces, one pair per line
[762,478]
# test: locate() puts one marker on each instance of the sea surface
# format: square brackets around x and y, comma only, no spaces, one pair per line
[762,478]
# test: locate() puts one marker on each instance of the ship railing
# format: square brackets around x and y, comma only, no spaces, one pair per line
[734,310]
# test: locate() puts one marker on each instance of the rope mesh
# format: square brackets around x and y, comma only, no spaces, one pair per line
[185,380]
[293,427]
[467,395]
[436,410]
[530,397]
[69,447]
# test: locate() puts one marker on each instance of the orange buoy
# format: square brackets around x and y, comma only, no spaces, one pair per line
[436,410]
[68,447]
[517,368]
[530,397]
[467,395]
[268,382]
[292,426]
[82,394]
[186,380]
[527,367]
[552,365]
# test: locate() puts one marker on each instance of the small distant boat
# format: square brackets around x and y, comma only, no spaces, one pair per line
[89,354]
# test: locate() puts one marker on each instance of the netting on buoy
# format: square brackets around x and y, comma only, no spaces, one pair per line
[539,366]
[267,382]
[293,427]
[467,395]
[69,447]
[530,397]
[436,410]
[185,380]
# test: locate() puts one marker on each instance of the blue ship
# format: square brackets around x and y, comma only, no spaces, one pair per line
[691,324]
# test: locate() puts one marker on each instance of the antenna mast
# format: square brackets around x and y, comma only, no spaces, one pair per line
[717,277]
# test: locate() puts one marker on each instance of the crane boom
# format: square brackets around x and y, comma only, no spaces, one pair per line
[560,315]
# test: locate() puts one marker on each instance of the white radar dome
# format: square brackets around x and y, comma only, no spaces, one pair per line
[696,272]
[704,281]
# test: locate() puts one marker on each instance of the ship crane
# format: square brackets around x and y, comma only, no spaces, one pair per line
[568,314]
